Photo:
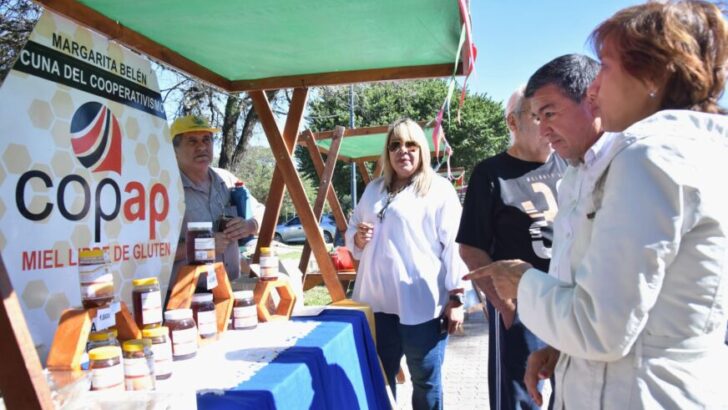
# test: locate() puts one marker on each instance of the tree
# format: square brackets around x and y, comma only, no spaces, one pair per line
[481,132]
[257,170]
[18,20]
[233,113]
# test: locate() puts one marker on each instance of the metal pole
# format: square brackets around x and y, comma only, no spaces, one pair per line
[351,126]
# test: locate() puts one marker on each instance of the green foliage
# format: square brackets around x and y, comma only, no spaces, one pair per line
[256,170]
[481,132]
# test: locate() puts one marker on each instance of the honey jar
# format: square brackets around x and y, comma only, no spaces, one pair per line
[147,302]
[96,280]
[106,370]
[203,312]
[182,332]
[162,350]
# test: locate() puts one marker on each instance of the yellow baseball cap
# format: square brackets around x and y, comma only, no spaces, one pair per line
[190,123]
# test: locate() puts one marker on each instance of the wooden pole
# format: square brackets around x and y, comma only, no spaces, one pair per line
[22,382]
[318,164]
[324,188]
[277,187]
[365,175]
[298,195]
[378,168]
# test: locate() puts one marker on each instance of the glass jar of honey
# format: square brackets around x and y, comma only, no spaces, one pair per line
[203,311]
[182,332]
[268,264]
[200,243]
[107,372]
[101,338]
[97,282]
[147,302]
[162,350]
[138,364]
[245,313]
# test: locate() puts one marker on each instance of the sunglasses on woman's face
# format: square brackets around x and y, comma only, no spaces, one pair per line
[408,145]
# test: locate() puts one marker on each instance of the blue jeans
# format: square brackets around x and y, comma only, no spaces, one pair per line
[424,347]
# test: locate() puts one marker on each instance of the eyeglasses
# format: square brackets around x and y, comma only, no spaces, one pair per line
[408,145]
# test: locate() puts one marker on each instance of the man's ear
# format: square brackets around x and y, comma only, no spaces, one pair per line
[511,122]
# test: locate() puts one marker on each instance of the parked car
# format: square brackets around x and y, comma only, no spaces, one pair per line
[292,230]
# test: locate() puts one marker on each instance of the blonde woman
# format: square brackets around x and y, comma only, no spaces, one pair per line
[403,232]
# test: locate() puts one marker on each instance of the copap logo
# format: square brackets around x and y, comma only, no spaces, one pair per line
[96,138]
[96,141]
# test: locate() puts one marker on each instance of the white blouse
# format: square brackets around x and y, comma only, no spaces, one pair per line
[412,260]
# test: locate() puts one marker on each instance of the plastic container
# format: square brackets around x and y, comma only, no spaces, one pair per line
[138,364]
[96,280]
[107,373]
[203,312]
[182,332]
[200,243]
[240,197]
[268,264]
[162,349]
[245,313]
[147,302]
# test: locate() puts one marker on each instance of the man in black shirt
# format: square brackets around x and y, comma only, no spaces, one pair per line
[508,213]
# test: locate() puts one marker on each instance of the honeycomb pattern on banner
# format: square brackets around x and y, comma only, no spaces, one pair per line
[35,118]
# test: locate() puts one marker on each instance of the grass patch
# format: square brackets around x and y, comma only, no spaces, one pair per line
[316,296]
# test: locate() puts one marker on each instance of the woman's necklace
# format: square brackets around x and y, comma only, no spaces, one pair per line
[390,197]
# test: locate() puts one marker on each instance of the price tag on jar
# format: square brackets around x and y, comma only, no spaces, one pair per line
[105,318]
[211,278]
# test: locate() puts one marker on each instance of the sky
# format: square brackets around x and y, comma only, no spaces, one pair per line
[515,38]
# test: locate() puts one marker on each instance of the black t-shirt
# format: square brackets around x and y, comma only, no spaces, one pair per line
[509,208]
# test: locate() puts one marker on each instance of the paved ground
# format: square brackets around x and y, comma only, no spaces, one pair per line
[465,372]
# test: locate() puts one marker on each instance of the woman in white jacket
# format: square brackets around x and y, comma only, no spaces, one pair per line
[637,308]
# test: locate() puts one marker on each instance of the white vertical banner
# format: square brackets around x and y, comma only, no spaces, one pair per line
[87,162]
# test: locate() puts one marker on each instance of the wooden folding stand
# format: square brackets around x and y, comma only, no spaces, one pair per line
[282,149]
[222,294]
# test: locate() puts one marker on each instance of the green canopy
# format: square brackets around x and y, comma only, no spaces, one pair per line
[366,147]
[246,44]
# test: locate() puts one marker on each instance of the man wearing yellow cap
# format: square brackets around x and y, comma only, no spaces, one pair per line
[207,193]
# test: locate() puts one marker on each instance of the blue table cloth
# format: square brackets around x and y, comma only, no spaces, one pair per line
[333,367]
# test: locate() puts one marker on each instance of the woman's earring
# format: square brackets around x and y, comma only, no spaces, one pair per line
[653,93]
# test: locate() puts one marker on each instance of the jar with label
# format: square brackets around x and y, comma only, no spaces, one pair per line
[203,311]
[182,332]
[138,364]
[147,302]
[245,313]
[97,282]
[102,338]
[107,372]
[268,264]
[162,350]
[200,243]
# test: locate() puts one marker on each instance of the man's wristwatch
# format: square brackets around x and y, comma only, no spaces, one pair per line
[457,299]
